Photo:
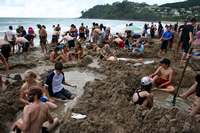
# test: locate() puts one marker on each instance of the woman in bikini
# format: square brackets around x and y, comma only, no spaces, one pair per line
[65,51]
[78,51]
[55,57]
[142,95]
[31,80]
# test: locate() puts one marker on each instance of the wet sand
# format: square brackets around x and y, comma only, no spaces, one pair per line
[105,93]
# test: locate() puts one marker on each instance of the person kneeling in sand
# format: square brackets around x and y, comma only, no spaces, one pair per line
[115,59]
[78,51]
[95,47]
[142,96]
[55,57]
[34,115]
[53,83]
[164,81]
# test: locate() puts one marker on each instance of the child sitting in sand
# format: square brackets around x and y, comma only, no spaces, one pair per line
[55,57]
[78,51]
[163,81]
[65,51]
[142,95]
[53,83]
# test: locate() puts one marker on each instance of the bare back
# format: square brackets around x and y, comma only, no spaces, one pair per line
[42,32]
[82,29]
[35,115]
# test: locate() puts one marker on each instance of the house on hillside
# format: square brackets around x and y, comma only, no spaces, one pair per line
[189,12]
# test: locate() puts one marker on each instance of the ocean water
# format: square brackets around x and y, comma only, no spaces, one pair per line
[115,25]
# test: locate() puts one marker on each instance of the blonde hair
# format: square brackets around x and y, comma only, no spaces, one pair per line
[31,74]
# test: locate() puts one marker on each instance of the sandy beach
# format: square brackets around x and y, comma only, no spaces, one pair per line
[105,93]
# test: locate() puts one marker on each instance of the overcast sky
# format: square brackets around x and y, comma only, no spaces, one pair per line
[56,8]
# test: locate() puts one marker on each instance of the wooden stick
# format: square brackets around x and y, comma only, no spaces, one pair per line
[5,76]
[179,83]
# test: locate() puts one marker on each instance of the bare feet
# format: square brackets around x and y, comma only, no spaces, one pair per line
[155,89]
[183,96]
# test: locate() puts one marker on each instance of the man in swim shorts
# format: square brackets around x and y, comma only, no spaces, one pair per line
[163,81]
[82,32]
[68,39]
[55,36]
[119,42]
[25,44]
[30,38]
[35,114]
[43,37]
[115,59]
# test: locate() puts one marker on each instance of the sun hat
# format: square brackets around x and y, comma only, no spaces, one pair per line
[34,90]
[145,81]
[197,41]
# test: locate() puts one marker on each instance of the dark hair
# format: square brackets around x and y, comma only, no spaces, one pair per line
[44,26]
[56,49]
[104,42]
[79,44]
[10,27]
[101,57]
[59,66]
[22,27]
[193,20]
[65,46]
[93,23]
[30,28]
[38,25]
[146,87]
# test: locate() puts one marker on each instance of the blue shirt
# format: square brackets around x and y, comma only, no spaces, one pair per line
[167,34]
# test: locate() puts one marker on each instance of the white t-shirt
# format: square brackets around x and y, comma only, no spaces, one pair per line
[148,31]
[10,34]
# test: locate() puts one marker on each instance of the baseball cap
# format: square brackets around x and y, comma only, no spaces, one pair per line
[145,81]
[166,61]
[185,20]
[34,90]
[197,41]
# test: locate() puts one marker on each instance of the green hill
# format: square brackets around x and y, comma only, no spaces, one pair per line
[123,10]
[184,4]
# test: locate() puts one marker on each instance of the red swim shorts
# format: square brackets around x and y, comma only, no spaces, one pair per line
[170,44]
[121,44]
[163,81]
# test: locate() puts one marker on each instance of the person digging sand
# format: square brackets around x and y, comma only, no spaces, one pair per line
[163,81]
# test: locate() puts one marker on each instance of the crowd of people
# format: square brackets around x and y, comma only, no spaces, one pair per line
[38,99]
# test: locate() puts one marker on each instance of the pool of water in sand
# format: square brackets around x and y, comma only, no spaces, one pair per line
[72,76]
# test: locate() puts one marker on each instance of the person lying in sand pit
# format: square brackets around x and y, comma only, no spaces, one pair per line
[164,81]
[35,114]
[95,47]
[115,59]
[65,51]
[31,80]
[78,51]
[142,95]
[55,57]
[53,83]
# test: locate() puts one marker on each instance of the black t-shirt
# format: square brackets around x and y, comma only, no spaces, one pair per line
[181,27]
[185,33]
[29,37]
[23,33]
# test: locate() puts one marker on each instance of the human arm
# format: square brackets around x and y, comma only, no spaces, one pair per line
[52,57]
[65,83]
[64,53]
[191,37]
[22,95]
[75,51]
[47,94]
[26,121]
[49,116]
[154,74]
